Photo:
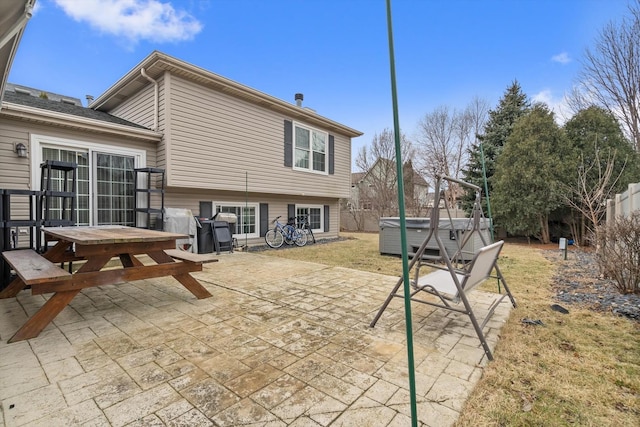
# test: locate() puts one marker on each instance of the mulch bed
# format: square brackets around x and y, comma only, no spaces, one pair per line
[578,282]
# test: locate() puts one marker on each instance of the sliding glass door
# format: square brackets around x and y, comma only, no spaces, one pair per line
[115,200]
[104,184]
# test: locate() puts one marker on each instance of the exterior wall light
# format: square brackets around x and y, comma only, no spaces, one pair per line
[21,149]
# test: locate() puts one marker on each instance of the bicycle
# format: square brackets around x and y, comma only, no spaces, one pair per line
[284,233]
[303,224]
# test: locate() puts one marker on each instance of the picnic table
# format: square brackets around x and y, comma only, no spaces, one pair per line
[96,246]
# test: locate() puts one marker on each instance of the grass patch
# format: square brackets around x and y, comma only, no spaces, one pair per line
[579,369]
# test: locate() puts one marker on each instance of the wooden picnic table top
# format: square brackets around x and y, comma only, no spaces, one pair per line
[109,234]
[96,246]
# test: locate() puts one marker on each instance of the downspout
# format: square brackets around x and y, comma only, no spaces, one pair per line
[156,107]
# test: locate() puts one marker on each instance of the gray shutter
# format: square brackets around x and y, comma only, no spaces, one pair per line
[331,155]
[288,143]
[326,218]
[291,212]
[264,219]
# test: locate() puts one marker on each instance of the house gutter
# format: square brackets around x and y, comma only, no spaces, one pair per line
[18,26]
[159,61]
[156,107]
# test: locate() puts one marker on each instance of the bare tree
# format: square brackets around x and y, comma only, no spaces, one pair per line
[379,186]
[444,140]
[437,142]
[594,185]
[577,100]
[383,146]
[611,72]
[357,214]
[478,110]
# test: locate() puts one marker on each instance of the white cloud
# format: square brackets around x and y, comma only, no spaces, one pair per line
[559,106]
[562,58]
[152,20]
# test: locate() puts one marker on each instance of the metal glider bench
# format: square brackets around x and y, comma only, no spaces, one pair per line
[451,280]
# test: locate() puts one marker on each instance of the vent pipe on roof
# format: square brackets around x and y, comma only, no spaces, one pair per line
[156,109]
[89,99]
[299,98]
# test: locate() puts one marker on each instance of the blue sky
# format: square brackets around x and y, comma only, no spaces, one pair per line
[335,52]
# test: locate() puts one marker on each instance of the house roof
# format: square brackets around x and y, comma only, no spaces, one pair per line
[157,63]
[359,176]
[35,98]
[356,177]
[45,107]
[418,179]
[14,15]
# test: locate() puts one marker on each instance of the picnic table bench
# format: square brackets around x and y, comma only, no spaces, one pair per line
[97,246]
[33,268]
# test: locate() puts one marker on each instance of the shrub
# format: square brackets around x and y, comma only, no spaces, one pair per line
[619,252]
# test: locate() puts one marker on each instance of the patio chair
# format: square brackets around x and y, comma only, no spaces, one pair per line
[451,286]
[222,239]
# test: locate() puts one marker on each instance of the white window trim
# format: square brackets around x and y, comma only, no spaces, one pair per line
[321,207]
[241,205]
[326,150]
[37,142]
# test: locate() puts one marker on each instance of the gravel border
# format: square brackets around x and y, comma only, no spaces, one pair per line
[577,282]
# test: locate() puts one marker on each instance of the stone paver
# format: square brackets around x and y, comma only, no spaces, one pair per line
[280,343]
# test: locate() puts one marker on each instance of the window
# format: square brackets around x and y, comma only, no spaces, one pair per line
[314,214]
[114,182]
[310,149]
[105,178]
[247,218]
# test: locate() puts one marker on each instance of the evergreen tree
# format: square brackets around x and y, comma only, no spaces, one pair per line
[513,105]
[594,129]
[529,173]
[607,164]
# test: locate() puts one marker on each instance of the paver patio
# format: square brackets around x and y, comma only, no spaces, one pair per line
[280,343]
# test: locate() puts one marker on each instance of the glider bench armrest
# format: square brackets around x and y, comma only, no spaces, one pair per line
[33,268]
[190,256]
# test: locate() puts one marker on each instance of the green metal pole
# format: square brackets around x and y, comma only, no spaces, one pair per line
[486,192]
[403,228]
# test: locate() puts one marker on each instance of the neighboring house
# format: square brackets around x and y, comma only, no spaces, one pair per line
[374,194]
[222,144]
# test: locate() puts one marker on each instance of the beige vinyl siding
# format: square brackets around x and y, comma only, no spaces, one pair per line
[15,172]
[140,109]
[190,199]
[217,139]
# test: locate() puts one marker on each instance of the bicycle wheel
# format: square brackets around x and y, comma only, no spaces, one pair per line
[300,237]
[309,232]
[288,233]
[274,238]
